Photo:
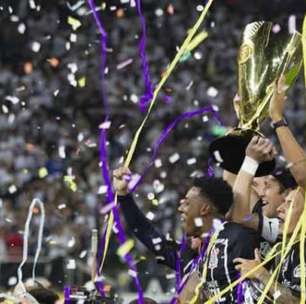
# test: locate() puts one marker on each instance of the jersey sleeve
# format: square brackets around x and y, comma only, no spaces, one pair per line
[146,233]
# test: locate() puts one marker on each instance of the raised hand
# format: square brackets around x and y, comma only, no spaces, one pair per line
[260,149]
[121,178]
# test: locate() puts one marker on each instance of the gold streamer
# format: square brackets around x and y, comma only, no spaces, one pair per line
[302,254]
[166,75]
[304,47]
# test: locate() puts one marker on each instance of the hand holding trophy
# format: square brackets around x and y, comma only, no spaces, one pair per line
[263,59]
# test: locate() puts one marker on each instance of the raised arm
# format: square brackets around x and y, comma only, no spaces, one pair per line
[141,227]
[292,151]
[258,150]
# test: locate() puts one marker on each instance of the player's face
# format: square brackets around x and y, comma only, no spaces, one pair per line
[294,201]
[272,197]
[191,209]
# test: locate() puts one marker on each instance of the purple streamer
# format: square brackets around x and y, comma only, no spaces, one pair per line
[148,95]
[67,293]
[103,158]
[165,133]
[195,264]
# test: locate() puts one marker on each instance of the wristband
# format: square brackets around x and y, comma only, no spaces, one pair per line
[281,123]
[249,165]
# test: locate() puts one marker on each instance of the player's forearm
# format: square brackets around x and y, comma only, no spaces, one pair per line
[281,293]
[242,193]
[293,153]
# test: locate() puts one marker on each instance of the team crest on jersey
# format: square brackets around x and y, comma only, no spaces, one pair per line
[213,260]
[297,271]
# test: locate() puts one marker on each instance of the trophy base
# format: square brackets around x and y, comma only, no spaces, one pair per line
[229,152]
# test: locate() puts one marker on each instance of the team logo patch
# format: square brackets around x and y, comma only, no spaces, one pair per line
[213,260]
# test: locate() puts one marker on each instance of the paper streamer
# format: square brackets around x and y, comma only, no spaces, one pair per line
[165,133]
[302,254]
[104,166]
[26,233]
[148,95]
[304,47]
[166,75]
[35,202]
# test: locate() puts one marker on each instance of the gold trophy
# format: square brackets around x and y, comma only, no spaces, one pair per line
[263,58]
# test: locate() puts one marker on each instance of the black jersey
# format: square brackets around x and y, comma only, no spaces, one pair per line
[233,241]
[290,274]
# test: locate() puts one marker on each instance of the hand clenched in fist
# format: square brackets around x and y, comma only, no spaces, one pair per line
[121,178]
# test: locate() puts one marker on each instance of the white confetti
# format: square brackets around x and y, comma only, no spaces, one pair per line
[158,186]
[102,189]
[71,242]
[71,264]
[159,12]
[276,294]
[36,46]
[191,161]
[190,84]
[150,216]
[170,276]
[105,125]
[132,273]
[134,98]
[150,196]
[75,6]
[292,24]
[5,109]
[61,152]
[157,163]
[107,208]
[12,189]
[61,206]
[12,281]
[205,118]
[215,108]
[32,4]
[73,67]
[14,18]
[156,240]
[198,55]
[83,254]
[200,8]
[174,158]
[12,99]
[212,92]
[125,63]
[218,156]
[67,45]
[73,37]
[163,174]
[276,28]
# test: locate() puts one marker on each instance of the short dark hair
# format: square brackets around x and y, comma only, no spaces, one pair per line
[43,295]
[217,191]
[285,179]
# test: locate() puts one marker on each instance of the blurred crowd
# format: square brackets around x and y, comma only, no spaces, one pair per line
[51,110]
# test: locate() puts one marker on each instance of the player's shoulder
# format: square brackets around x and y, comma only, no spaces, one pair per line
[238,231]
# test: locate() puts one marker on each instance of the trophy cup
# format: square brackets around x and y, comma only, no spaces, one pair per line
[263,58]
